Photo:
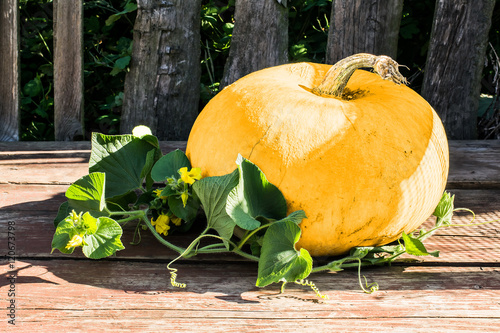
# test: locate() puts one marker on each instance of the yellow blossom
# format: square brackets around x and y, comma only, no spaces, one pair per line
[161,224]
[189,177]
[176,220]
[77,240]
[184,197]
[158,194]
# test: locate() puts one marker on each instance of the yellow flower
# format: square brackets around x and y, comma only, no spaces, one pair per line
[161,224]
[77,240]
[189,177]
[158,194]
[176,220]
[184,197]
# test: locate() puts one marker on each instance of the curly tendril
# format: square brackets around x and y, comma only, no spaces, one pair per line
[173,277]
[307,283]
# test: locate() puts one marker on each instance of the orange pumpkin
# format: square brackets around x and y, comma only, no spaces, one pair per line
[366,158]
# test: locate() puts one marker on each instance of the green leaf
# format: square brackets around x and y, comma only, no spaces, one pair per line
[64,232]
[104,240]
[122,62]
[295,217]
[120,65]
[415,247]
[360,252]
[33,87]
[279,260]
[187,213]
[123,158]
[168,191]
[121,202]
[129,7]
[62,213]
[444,210]
[169,165]
[151,159]
[87,194]
[254,197]
[213,192]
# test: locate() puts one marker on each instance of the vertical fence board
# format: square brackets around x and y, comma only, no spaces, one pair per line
[163,86]
[68,69]
[260,38]
[9,70]
[452,77]
[368,26]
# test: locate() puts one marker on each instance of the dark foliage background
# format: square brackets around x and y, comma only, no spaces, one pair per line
[108,26]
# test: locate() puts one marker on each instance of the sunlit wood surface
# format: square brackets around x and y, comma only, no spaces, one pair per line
[459,291]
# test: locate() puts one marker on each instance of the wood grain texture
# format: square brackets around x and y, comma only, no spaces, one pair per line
[474,164]
[132,296]
[260,38]
[162,87]
[51,162]
[455,61]
[68,69]
[459,291]
[363,26]
[33,207]
[9,70]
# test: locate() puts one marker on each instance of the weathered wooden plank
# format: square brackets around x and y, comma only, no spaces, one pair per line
[33,207]
[53,147]
[52,163]
[162,88]
[137,296]
[9,70]
[132,291]
[474,164]
[264,25]
[363,26]
[68,69]
[455,61]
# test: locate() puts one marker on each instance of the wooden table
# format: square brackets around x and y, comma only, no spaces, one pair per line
[459,291]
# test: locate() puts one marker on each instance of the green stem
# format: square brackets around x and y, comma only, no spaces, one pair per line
[249,235]
[130,218]
[159,238]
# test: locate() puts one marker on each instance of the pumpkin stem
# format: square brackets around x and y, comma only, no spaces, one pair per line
[336,79]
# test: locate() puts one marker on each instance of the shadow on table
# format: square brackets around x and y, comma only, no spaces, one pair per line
[143,269]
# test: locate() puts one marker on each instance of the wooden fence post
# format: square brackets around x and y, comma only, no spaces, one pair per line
[260,38]
[452,77]
[68,69]
[163,86]
[9,70]
[369,26]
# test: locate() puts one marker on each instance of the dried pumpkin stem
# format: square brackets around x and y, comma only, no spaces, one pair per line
[336,78]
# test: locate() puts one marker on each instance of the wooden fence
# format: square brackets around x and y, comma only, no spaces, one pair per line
[451,82]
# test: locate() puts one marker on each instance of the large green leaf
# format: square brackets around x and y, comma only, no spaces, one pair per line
[169,165]
[104,240]
[279,260]
[188,212]
[124,159]
[254,197]
[87,194]
[213,192]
